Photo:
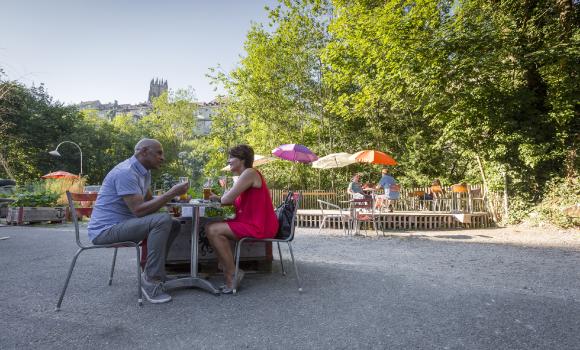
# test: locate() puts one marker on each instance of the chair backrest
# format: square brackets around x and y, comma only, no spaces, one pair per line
[459,188]
[395,188]
[436,189]
[362,203]
[77,197]
[324,205]
[417,194]
[475,193]
[365,203]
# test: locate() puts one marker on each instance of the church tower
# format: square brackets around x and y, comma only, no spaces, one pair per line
[156,88]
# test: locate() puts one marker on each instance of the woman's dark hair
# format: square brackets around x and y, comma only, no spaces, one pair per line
[244,153]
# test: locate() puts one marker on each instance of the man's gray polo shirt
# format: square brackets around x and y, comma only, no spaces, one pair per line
[128,177]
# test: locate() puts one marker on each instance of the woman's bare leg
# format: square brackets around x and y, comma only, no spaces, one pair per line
[219,235]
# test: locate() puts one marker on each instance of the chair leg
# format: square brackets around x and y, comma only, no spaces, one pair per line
[281,261]
[70,270]
[237,257]
[322,224]
[139,291]
[113,267]
[344,228]
[295,268]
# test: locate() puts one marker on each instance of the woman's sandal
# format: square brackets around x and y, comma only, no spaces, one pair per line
[230,290]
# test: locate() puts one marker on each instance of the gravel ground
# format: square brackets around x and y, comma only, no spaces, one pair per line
[408,290]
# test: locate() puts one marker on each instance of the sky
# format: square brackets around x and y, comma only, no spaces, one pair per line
[110,50]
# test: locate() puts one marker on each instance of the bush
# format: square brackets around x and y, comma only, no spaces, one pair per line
[35,199]
[560,193]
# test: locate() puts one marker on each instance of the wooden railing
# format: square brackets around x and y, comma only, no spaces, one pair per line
[310,198]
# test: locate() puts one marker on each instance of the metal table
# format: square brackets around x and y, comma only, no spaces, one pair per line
[193,280]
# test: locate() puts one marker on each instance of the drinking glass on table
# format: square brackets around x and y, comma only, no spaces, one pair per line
[207,188]
[183,179]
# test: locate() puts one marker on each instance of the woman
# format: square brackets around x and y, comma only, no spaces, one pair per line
[254,212]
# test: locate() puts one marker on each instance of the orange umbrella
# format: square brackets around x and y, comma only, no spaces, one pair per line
[374,157]
[60,175]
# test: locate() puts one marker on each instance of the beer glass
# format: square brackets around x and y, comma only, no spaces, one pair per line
[183,197]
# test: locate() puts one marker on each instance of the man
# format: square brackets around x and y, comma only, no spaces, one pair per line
[125,211]
[391,189]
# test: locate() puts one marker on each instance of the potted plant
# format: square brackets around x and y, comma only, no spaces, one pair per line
[34,205]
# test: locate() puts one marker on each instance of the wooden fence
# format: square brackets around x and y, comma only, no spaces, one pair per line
[310,197]
[493,203]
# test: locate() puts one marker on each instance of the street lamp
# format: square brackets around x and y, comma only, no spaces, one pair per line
[55,153]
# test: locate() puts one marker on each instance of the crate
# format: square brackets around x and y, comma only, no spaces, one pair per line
[24,215]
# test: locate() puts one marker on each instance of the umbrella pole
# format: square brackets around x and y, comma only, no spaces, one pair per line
[332,178]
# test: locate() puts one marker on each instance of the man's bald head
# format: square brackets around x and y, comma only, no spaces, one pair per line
[145,143]
[149,152]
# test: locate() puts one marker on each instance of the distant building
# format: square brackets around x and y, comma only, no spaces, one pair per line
[110,110]
[205,112]
[157,87]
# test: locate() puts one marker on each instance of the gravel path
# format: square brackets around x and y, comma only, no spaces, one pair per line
[409,290]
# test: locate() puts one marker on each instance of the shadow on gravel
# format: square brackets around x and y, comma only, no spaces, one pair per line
[454,236]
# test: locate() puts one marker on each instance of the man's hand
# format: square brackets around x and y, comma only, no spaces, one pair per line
[179,189]
[140,207]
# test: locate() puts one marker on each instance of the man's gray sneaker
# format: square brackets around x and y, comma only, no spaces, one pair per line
[154,292]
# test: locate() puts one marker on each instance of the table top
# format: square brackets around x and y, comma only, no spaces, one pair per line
[196,203]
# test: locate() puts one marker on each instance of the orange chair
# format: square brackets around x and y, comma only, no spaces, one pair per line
[460,195]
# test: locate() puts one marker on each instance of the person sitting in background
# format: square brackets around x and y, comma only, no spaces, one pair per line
[354,187]
[436,190]
[392,190]
[255,215]
[433,191]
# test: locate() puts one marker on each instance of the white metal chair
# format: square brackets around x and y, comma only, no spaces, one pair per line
[343,216]
[296,198]
[72,197]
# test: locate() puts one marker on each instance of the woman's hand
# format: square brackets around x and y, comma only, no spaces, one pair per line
[214,197]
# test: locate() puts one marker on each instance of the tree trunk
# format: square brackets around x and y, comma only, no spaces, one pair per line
[491,205]
[505,195]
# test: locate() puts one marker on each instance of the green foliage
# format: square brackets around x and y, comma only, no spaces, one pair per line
[34,195]
[442,85]
[172,121]
[559,194]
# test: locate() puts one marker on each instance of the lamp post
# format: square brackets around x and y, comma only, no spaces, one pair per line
[57,154]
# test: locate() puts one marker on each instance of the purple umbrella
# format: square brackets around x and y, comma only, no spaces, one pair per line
[295,153]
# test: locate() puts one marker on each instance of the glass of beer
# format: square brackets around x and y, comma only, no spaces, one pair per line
[206,193]
[183,197]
